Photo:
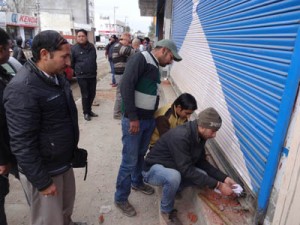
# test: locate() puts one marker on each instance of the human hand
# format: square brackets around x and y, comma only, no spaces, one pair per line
[229,181]
[134,127]
[4,169]
[225,189]
[51,190]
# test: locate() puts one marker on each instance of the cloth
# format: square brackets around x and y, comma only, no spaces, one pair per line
[139,87]
[19,54]
[84,60]
[113,78]
[182,149]
[43,124]
[133,152]
[4,190]
[52,209]
[165,119]
[88,93]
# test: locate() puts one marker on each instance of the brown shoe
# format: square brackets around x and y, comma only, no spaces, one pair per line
[126,208]
[171,218]
[146,189]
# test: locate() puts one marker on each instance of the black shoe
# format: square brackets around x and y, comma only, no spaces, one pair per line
[146,189]
[87,117]
[92,114]
[126,208]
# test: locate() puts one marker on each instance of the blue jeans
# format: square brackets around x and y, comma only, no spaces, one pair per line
[113,79]
[135,147]
[171,182]
[169,179]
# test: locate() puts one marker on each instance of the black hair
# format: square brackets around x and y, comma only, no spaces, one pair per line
[4,37]
[83,31]
[49,40]
[147,39]
[186,101]
[19,41]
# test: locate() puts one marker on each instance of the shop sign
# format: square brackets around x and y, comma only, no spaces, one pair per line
[21,19]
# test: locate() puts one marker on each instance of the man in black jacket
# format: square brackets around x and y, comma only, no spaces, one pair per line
[85,68]
[43,127]
[5,154]
[18,52]
[178,157]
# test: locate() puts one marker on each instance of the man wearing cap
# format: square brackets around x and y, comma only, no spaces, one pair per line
[139,90]
[43,128]
[108,54]
[178,157]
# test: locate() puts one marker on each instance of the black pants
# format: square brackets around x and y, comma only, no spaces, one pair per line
[88,93]
[4,189]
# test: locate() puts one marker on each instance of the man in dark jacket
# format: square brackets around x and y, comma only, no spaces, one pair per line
[85,68]
[43,126]
[18,52]
[108,54]
[179,157]
[5,154]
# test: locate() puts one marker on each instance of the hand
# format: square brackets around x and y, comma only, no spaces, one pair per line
[4,169]
[225,189]
[134,126]
[229,181]
[51,190]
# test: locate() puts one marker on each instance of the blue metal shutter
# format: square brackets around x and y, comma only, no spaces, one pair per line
[254,45]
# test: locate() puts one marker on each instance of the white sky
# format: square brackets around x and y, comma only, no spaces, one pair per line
[126,8]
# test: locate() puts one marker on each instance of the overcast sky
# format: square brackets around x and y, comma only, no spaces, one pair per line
[125,8]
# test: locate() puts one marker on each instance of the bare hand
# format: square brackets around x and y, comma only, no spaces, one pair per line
[134,127]
[51,190]
[4,169]
[225,189]
[229,181]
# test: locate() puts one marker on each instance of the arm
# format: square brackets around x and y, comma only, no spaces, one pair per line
[23,118]
[134,69]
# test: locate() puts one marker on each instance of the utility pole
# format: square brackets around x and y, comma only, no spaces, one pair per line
[37,5]
[115,7]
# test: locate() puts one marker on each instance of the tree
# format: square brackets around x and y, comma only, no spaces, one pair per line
[21,6]
[151,33]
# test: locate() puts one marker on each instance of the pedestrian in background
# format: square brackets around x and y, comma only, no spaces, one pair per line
[121,51]
[108,54]
[178,159]
[7,161]
[18,52]
[136,45]
[43,127]
[84,64]
[173,115]
[139,90]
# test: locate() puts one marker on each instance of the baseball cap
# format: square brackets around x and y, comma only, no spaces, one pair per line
[171,46]
[209,118]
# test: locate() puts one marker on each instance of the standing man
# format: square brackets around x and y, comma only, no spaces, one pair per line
[108,54]
[121,51]
[171,116]
[136,44]
[179,157]
[85,68]
[43,126]
[139,90]
[5,153]
[18,52]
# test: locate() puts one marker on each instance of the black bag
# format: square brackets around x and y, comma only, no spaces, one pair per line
[80,160]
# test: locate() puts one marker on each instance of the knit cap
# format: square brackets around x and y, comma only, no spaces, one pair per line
[209,118]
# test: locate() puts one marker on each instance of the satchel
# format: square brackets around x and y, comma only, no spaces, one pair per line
[80,160]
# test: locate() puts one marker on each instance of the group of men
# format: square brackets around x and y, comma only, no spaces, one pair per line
[37,110]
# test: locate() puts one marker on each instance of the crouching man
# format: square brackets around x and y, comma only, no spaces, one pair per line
[178,157]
